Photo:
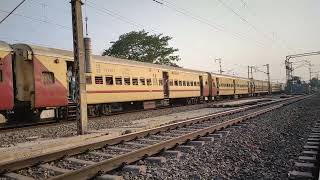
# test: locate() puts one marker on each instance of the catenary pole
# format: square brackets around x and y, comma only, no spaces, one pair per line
[79,66]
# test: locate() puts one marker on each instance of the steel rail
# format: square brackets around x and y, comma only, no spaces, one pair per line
[116,162]
[47,157]
[4,127]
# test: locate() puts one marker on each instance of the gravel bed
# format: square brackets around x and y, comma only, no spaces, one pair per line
[266,148]
[37,173]
[90,157]
[12,138]
[157,137]
[64,164]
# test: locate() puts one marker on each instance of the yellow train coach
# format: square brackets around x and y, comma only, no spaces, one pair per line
[242,86]
[225,85]
[44,79]
[260,87]
[114,81]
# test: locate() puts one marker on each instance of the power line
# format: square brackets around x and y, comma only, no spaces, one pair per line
[244,19]
[39,20]
[255,14]
[12,11]
[203,20]
[118,16]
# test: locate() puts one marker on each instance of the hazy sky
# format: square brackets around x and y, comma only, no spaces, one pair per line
[240,32]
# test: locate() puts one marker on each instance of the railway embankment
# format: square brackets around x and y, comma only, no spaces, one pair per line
[266,147]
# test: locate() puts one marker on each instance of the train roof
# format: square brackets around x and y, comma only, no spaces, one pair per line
[229,76]
[67,54]
[46,51]
[5,46]
[113,60]
[39,50]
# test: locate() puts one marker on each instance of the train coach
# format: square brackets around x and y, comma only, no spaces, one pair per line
[260,87]
[34,78]
[6,78]
[117,83]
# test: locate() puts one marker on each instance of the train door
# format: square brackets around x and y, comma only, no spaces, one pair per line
[234,86]
[71,79]
[201,85]
[165,77]
[210,83]
[218,85]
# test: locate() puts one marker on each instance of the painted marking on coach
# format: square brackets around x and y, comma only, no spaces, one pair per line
[137,91]
[48,95]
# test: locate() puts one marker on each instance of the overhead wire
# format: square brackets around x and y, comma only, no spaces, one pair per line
[205,21]
[12,11]
[118,16]
[244,19]
[274,37]
[39,20]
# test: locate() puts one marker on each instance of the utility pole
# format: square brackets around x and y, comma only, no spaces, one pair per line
[219,60]
[79,66]
[269,83]
[310,71]
[251,67]
[248,72]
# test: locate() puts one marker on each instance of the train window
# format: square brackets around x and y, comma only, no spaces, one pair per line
[188,83]
[198,84]
[206,82]
[149,82]
[180,83]
[88,80]
[127,81]
[47,78]
[160,82]
[195,83]
[142,81]
[191,83]
[98,80]
[135,81]
[171,82]
[109,80]
[118,80]
[1,77]
[176,83]
[184,83]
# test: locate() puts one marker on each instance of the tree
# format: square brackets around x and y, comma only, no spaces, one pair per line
[141,46]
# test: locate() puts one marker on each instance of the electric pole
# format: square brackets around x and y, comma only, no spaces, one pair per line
[310,71]
[79,66]
[248,72]
[219,60]
[269,83]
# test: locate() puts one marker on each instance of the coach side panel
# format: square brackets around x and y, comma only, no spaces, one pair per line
[6,81]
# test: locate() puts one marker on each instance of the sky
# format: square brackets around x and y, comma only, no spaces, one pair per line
[240,32]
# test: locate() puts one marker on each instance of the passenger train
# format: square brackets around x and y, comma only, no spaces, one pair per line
[34,78]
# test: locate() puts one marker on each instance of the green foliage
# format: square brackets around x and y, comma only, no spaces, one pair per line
[141,46]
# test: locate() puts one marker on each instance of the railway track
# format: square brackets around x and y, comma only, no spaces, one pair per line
[4,127]
[87,161]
